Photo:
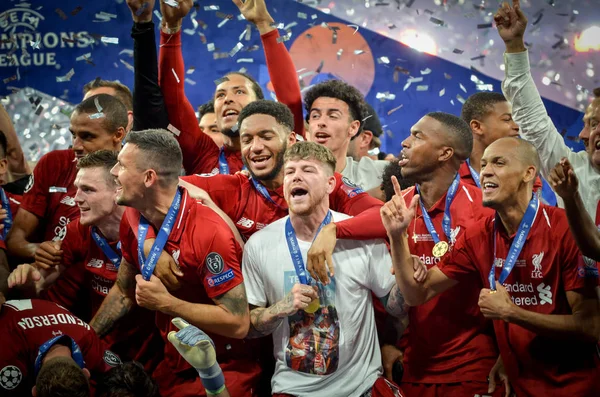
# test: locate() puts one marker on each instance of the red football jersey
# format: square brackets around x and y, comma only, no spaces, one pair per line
[25,325]
[549,265]
[250,211]
[448,340]
[50,194]
[85,282]
[199,240]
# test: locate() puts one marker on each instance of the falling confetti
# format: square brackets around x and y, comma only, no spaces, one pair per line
[66,77]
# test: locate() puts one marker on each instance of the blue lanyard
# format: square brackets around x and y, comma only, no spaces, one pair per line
[292,242]
[474,174]
[76,353]
[161,238]
[263,191]
[105,247]
[517,244]
[223,165]
[8,221]
[446,222]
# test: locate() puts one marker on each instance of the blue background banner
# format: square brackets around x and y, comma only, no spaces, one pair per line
[40,43]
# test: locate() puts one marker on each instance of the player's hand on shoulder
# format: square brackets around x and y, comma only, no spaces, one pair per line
[24,275]
[48,254]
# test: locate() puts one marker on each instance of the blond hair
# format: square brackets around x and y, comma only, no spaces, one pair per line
[311,151]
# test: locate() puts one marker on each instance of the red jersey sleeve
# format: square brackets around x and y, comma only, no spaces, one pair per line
[224,190]
[97,358]
[200,153]
[218,254]
[36,199]
[284,77]
[576,274]
[458,263]
[127,236]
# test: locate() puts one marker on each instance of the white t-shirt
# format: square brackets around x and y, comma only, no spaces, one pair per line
[335,351]
[367,173]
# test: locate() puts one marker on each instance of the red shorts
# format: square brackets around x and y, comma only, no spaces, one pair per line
[241,378]
[381,388]
[462,389]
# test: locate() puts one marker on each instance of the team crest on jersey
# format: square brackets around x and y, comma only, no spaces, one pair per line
[214,263]
[536,260]
[10,377]
[111,358]
[61,232]
[29,183]
[453,234]
[587,267]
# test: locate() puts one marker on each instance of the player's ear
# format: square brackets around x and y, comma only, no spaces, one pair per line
[87,374]
[34,391]
[331,182]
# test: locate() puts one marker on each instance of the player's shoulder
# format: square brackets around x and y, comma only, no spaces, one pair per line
[553,219]
[268,235]
[216,180]
[58,158]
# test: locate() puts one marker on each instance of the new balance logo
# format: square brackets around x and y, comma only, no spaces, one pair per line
[70,201]
[95,263]
[545,294]
[245,222]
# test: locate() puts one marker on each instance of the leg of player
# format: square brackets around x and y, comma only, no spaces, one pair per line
[199,351]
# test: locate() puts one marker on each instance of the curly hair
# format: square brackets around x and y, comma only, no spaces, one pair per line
[342,91]
[478,105]
[281,113]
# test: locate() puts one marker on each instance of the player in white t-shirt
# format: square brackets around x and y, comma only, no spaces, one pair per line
[324,336]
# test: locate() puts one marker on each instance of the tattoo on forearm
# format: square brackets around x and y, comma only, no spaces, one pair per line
[235,300]
[118,302]
[263,321]
[395,304]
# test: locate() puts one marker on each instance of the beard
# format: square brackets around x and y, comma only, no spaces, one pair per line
[233,132]
[276,169]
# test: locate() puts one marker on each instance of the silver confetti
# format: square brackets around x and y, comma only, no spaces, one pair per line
[422,87]
[302,15]
[442,91]
[190,32]
[190,70]
[110,40]
[84,57]
[211,8]
[236,49]
[245,60]
[223,22]
[462,87]
[460,98]
[426,71]
[339,53]
[210,47]
[127,52]
[175,74]
[127,65]
[173,129]
[190,81]
[358,52]
[66,77]
[381,60]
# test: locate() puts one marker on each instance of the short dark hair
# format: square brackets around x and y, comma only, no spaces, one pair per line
[161,152]
[597,92]
[3,145]
[342,91]
[458,131]
[479,105]
[105,159]
[311,151]
[371,121]
[255,86]
[115,113]
[393,169]
[127,380]
[208,107]
[61,376]
[282,114]
[122,92]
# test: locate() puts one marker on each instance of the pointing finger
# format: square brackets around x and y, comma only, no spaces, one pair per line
[397,189]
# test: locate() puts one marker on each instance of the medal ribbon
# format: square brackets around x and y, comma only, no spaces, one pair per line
[223,164]
[517,244]
[8,221]
[292,242]
[263,191]
[76,353]
[474,174]
[105,247]
[147,266]
[446,223]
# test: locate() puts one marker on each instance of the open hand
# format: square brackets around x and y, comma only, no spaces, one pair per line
[254,11]
[23,275]
[193,344]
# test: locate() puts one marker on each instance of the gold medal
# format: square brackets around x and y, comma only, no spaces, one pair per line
[440,248]
[313,306]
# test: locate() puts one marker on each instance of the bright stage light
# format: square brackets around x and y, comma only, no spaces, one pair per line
[419,41]
[588,40]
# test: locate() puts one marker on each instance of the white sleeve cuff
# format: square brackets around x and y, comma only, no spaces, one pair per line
[516,63]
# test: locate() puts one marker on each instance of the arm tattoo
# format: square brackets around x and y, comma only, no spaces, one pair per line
[118,302]
[234,300]
[264,321]
[395,303]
